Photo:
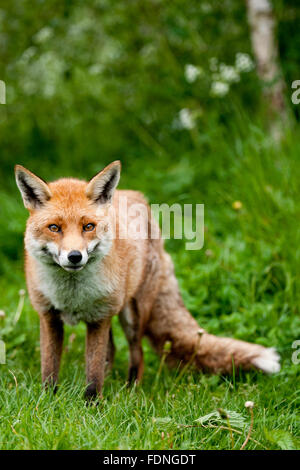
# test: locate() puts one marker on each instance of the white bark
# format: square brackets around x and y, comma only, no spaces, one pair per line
[262,25]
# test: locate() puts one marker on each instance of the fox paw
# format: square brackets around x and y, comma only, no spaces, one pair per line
[268,361]
[91,395]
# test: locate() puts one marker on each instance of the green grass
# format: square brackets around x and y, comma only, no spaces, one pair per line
[157,415]
[244,283]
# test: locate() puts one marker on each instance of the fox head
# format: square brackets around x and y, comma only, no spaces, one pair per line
[70,221]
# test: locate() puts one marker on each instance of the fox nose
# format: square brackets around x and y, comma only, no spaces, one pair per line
[74,256]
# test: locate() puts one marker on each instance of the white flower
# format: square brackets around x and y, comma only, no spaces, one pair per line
[243,62]
[27,55]
[191,72]
[249,404]
[44,34]
[229,73]
[43,75]
[219,88]
[186,119]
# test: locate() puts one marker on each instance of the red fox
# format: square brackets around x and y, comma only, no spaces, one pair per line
[79,268]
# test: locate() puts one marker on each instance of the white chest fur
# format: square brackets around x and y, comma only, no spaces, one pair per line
[84,295]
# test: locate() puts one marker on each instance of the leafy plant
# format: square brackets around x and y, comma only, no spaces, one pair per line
[283,439]
[236,420]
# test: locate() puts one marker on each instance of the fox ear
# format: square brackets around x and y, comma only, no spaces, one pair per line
[101,188]
[35,192]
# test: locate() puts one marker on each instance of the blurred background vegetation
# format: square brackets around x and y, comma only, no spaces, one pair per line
[171,89]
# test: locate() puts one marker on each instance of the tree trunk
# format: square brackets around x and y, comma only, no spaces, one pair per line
[262,25]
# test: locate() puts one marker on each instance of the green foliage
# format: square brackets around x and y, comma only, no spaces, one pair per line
[282,438]
[90,82]
[235,419]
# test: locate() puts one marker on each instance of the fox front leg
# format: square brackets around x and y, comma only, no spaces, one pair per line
[96,353]
[132,326]
[110,353]
[51,335]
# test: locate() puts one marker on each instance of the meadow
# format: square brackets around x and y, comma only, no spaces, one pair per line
[131,97]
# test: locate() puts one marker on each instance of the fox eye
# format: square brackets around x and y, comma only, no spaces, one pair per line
[54,228]
[88,227]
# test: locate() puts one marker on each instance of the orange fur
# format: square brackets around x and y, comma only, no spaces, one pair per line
[132,278]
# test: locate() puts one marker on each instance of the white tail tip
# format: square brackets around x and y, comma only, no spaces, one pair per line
[268,361]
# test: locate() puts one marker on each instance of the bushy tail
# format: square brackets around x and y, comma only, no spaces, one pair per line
[171,321]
